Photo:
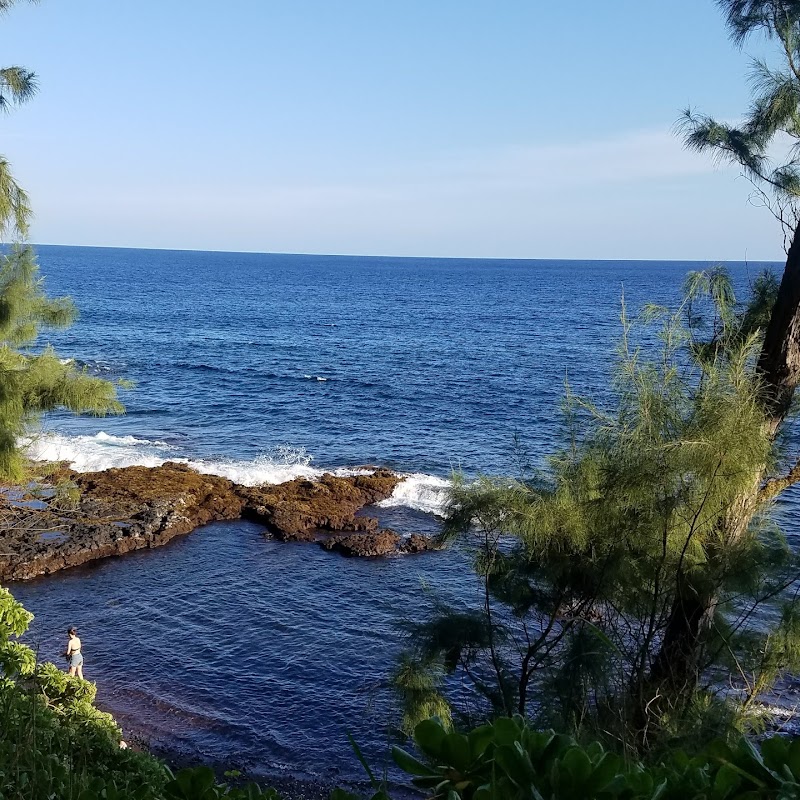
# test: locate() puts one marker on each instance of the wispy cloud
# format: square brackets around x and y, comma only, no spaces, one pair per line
[638,194]
[630,157]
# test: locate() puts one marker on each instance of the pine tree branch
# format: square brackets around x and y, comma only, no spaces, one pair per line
[774,486]
[776,26]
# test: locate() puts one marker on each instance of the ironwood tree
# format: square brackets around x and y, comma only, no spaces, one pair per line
[772,120]
[622,584]
[33,379]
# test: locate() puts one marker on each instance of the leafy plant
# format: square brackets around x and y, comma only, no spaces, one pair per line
[507,760]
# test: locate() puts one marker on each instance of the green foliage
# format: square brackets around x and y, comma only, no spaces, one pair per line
[773,119]
[584,564]
[200,783]
[17,85]
[54,742]
[15,209]
[509,761]
[32,383]
[417,687]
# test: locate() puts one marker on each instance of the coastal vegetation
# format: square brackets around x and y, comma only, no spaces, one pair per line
[54,742]
[638,593]
[32,382]
[638,589]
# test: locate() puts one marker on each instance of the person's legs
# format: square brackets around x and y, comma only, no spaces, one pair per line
[76,665]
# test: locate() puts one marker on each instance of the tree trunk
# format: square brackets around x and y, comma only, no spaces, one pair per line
[779,364]
[676,665]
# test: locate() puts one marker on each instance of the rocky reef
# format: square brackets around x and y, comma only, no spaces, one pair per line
[113,512]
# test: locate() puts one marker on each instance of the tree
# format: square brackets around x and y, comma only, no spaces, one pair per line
[17,85]
[638,559]
[31,382]
[583,563]
[774,117]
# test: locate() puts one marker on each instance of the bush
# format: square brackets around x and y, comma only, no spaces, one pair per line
[507,760]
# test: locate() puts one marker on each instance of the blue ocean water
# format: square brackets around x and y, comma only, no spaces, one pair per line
[262,367]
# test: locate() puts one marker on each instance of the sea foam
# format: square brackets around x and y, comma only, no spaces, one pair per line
[421,492]
[102,450]
[98,452]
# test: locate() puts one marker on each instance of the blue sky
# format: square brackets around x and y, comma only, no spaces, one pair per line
[510,128]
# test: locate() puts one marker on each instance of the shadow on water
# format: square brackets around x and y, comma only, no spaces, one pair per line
[241,649]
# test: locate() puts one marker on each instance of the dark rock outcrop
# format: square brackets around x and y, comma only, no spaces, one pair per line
[120,510]
[377,543]
[293,511]
[417,543]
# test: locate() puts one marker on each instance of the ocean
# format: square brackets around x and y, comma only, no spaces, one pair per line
[263,367]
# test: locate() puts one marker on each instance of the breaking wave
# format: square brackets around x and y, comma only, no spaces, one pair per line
[421,492]
[104,451]
[98,452]
[92,453]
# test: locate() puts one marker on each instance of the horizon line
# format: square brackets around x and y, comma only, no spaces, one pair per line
[407,257]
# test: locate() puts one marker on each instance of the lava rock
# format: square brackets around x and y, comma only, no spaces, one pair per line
[363,545]
[130,508]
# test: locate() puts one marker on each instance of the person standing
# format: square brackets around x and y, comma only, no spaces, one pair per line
[74,654]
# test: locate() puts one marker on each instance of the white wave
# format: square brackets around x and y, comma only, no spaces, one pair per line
[104,451]
[121,441]
[98,452]
[278,466]
[101,451]
[421,492]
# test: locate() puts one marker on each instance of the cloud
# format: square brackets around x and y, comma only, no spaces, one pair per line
[630,157]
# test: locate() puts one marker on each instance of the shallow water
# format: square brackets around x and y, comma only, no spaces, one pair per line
[240,648]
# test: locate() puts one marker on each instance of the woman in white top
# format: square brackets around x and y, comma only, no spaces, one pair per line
[73,653]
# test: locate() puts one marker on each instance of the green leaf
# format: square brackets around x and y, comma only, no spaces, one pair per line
[192,784]
[793,758]
[479,739]
[507,731]
[363,761]
[577,764]
[510,761]
[430,736]
[726,782]
[411,765]
[456,751]
[605,771]
[775,753]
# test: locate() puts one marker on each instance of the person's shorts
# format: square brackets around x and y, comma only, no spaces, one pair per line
[76,659]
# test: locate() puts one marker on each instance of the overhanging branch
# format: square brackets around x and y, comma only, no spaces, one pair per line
[774,486]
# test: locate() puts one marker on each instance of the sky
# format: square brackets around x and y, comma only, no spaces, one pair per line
[465,128]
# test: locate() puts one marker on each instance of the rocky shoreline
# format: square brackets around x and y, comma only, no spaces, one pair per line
[110,513]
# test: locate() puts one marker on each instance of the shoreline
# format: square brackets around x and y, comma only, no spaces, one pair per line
[119,510]
[291,786]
